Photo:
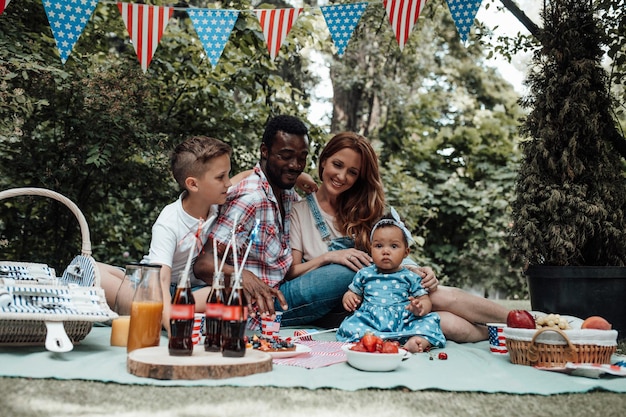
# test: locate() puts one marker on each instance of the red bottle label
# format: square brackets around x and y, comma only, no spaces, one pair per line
[182,312]
[214,310]
[231,313]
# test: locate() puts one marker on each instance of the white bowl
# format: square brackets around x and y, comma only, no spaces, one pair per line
[375,362]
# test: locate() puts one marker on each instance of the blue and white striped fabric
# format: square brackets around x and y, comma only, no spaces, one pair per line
[26,271]
[81,271]
[53,301]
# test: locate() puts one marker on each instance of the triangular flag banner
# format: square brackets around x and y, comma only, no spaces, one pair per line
[341,20]
[402,15]
[463,13]
[3,5]
[213,28]
[276,24]
[145,25]
[67,20]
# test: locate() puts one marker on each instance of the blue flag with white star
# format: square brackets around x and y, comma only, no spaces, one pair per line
[213,27]
[341,20]
[463,13]
[67,20]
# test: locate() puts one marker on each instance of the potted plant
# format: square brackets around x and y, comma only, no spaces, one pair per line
[569,224]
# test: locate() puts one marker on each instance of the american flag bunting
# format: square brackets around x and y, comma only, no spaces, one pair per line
[145,25]
[463,13]
[67,20]
[276,24]
[341,20]
[213,28]
[402,15]
[3,5]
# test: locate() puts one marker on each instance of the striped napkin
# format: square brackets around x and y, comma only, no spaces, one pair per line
[322,354]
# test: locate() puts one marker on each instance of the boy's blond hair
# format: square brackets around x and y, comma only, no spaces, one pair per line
[191,157]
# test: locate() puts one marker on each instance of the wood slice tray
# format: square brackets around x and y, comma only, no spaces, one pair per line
[156,363]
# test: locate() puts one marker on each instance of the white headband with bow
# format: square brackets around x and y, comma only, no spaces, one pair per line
[396,222]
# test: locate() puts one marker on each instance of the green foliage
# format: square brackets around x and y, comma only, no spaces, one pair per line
[570,194]
[99,131]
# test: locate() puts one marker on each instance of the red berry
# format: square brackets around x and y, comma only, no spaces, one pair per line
[443,356]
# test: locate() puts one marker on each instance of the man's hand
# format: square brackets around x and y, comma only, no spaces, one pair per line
[306,183]
[261,293]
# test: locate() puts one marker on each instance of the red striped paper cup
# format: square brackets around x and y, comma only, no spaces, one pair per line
[270,327]
[198,322]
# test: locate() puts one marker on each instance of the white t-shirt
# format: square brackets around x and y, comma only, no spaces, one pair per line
[305,236]
[173,235]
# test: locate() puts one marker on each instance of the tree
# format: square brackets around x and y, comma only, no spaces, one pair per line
[570,199]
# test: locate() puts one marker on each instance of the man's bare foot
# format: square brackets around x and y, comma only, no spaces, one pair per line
[417,344]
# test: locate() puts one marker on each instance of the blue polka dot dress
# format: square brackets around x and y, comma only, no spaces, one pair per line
[383,311]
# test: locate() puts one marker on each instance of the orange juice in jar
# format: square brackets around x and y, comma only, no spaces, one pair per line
[145,325]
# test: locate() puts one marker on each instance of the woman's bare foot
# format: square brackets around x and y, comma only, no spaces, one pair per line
[417,344]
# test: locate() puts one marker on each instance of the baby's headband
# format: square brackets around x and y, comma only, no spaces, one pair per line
[396,222]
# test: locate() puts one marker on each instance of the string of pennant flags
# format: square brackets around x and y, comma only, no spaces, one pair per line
[146,23]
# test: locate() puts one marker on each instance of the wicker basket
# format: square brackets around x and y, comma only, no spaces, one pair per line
[537,348]
[21,328]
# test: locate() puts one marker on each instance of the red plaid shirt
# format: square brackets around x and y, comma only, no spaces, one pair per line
[270,254]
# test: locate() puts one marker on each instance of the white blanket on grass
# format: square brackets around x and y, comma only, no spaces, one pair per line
[470,367]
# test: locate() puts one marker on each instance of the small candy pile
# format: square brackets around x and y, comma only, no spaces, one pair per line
[273,344]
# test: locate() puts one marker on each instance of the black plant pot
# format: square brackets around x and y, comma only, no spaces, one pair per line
[580,291]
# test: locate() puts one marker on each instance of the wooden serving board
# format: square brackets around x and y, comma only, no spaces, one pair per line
[156,362]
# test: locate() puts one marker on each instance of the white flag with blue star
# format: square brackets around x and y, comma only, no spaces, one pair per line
[213,28]
[463,13]
[342,20]
[67,20]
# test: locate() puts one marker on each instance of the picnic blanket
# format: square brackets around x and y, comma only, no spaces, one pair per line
[470,367]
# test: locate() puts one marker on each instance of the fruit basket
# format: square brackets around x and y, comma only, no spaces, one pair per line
[37,308]
[552,347]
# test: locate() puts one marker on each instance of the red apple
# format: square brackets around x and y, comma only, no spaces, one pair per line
[520,319]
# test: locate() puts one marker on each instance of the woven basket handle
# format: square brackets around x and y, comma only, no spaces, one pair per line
[84,228]
[570,353]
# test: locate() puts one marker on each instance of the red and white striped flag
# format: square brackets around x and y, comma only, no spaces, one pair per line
[402,15]
[145,25]
[3,5]
[276,24]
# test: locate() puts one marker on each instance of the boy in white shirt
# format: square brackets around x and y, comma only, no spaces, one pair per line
[201,166]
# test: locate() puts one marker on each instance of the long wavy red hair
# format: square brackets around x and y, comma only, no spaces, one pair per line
[364,203]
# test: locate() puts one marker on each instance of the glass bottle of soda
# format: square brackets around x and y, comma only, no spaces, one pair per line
[214,310]
[181,319]
[234,318]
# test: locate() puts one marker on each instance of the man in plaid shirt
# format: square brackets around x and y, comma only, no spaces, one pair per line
[267,195]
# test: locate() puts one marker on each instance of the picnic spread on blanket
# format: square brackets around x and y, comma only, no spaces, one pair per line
[38,309]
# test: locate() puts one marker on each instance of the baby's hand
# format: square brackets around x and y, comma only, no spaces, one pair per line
[351,301]
[416,307]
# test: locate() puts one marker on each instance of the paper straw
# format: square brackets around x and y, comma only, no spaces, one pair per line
[215,264]
[224,257]
[253,235]
[230,242]
[185,274]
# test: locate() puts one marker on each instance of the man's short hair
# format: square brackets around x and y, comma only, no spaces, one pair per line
[284,123]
